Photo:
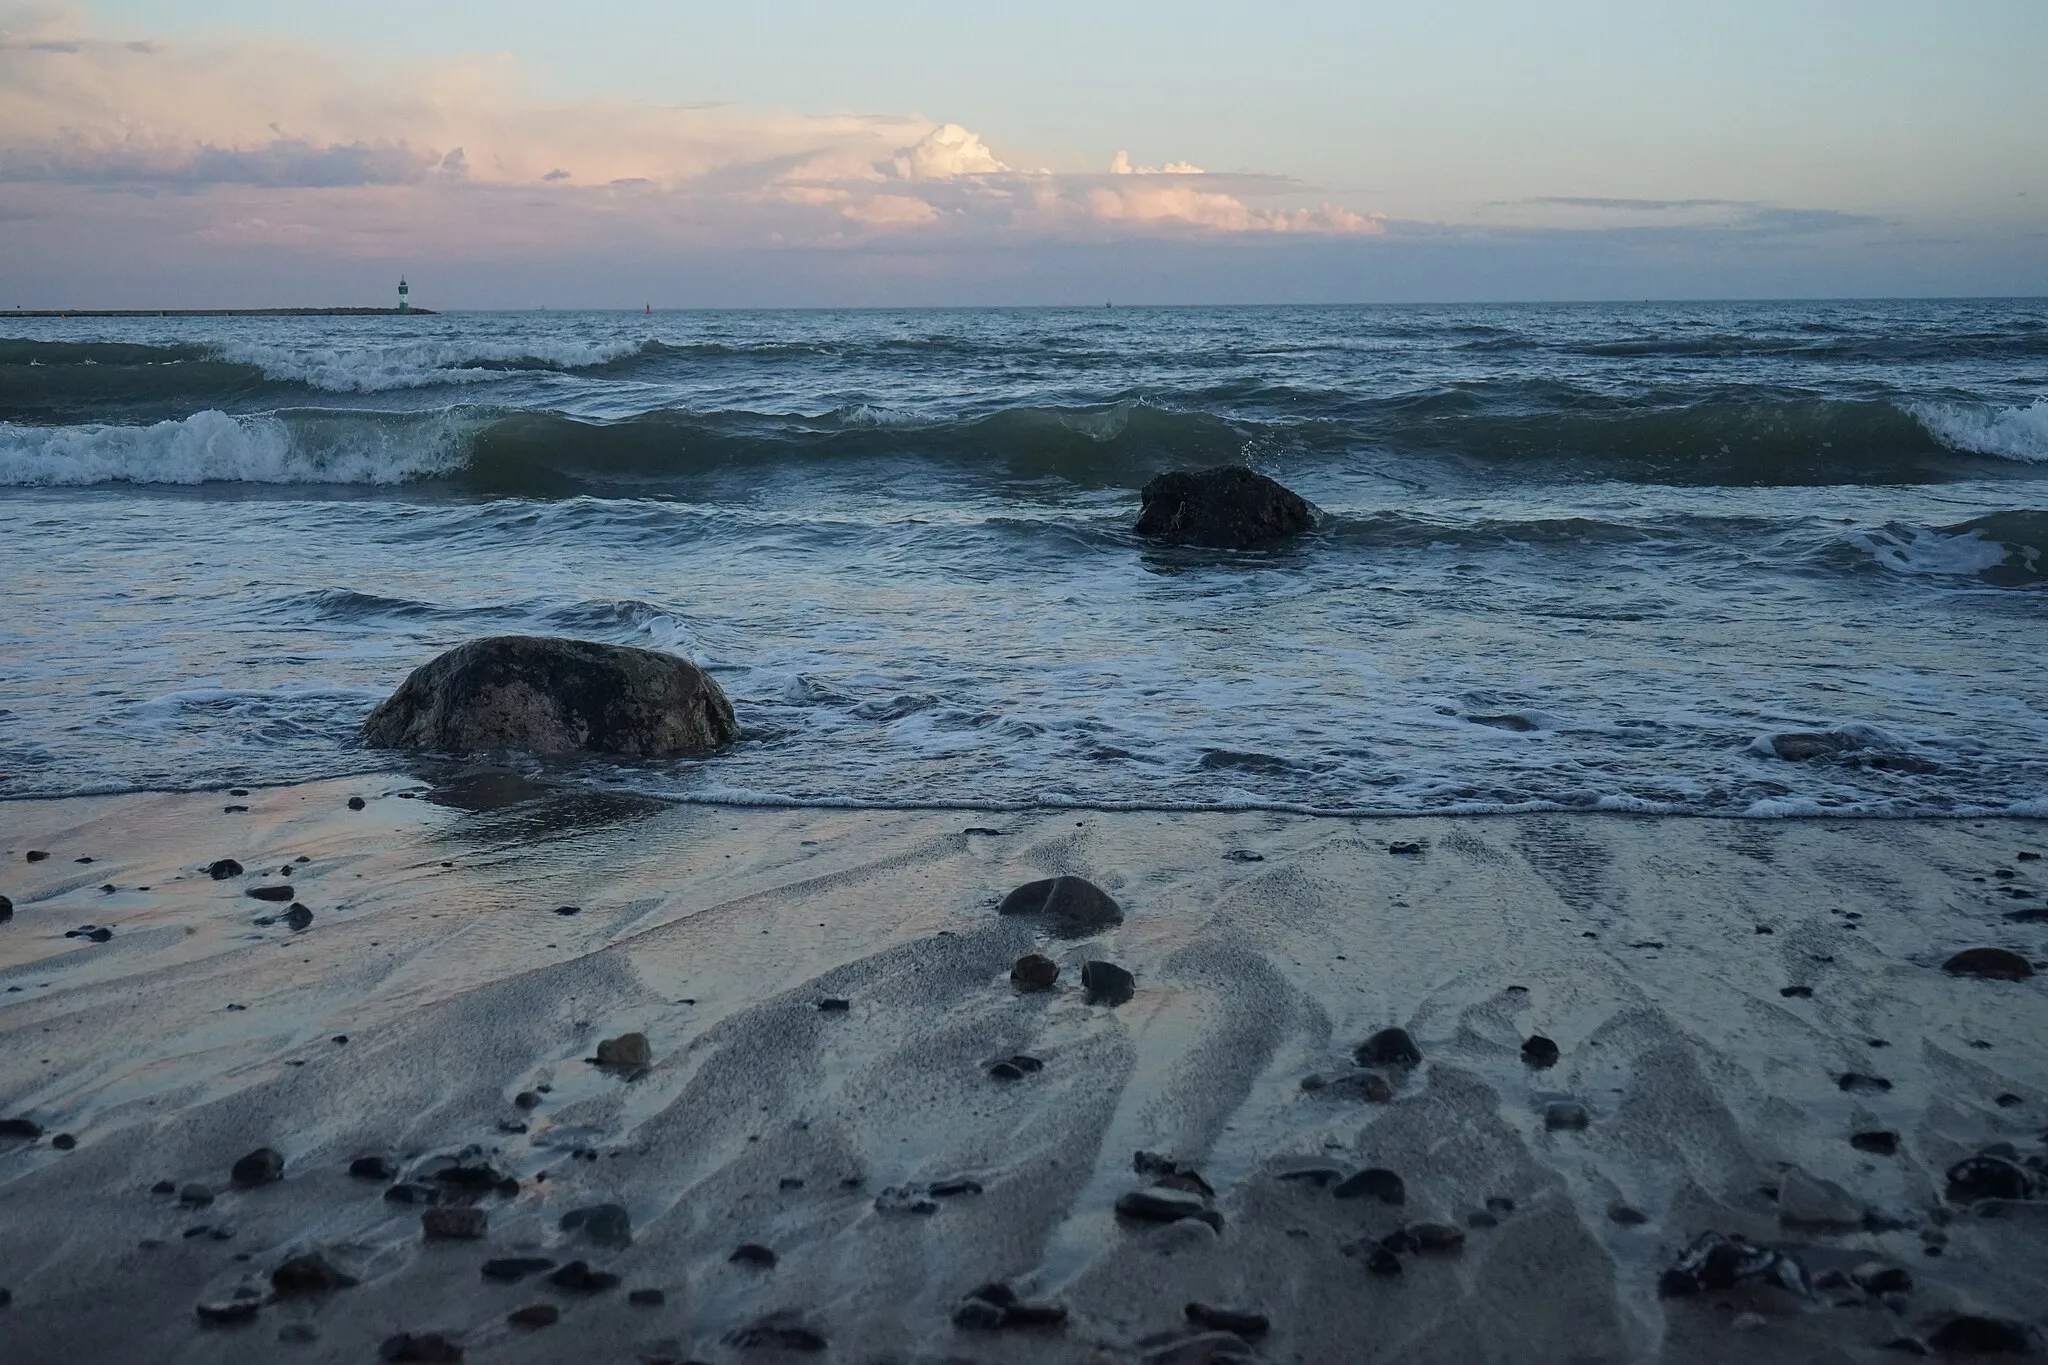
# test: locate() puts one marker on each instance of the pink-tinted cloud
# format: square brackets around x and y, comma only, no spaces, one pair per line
[243,141]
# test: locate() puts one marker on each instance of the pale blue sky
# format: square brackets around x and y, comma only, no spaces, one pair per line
[1908,139]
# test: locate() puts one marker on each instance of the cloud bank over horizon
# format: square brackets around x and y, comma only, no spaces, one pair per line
[241,157]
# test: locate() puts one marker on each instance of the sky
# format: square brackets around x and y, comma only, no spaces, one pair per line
[187,153]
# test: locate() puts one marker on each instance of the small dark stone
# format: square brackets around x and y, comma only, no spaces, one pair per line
[220,869]
[21,1128]
[1408,848]
[230,1314]
[1374,1182]
[1565,1116]
[1389,1047]
[310,1273]
[298,917]
[372,1168]
[1987,1177]
[2008,1100]
[1106,983]
[1995,964]
[164,1187]
[1244,855]
[1878,1141]
[1539,1052]
[1796,992]
[467,1174]
[269,893]
[567,910]
[263,1166]
[86,859]
[356,803]
[195,1195]
[605,1225]
[1480,1218]
[534,1315]
[101,934]
[6,909]
[978,1315]
[233,810]
[1984,1336]
[512,1269]
[1034,972]
[1381,1261]
[423,1348]
[1027,1314]
[1856,1082]
[36,855]
[63,1142]
[753,1253]
[646,1298]
[454,1224]
[526,1099]
[1158,1205]
[1072,907]
[1884,1279]
[834,1005]
[950,1189]
[1434,1237]
[778,1332]
[1625,1216]
[578,1278]
[1006,1071]
[1241,1321]
[627,1052]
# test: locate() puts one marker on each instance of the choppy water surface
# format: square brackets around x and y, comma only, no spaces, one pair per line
[1571,556]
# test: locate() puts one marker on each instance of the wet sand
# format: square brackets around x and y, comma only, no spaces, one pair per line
[192,1036]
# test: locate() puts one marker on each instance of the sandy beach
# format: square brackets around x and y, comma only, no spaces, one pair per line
[438,1012]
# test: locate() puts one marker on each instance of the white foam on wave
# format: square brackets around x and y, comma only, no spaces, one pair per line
[419,363]
[1981,429]
[211,446]
[1931,553]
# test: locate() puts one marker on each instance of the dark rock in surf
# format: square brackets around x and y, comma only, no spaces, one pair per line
[261,1167]
[229,1314]
[605,1225]
[1982,1336]
[1106,983]
[1374,1182]
[310,1273]
[627,1052]
[454,1224]
[1992,963]
[1071,906]
[35,855]
[6,909]
[646,1298]
[1163,1205]
[554,696]
[754,1254]
[1539,1052]
[423,1348]
[21,1128]
[372,1168]
[1803,745]
[270,893]
[1227,507]
[1242,1322]
[298,917]
[220,869]
[1389,1047]
[578,1278]
[534,1316]
[1985,1176]
[512,1269]
[1876,1141]
[1034,972]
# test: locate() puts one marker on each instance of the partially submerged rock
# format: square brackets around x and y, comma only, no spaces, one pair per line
[1070,906]
[554,696]
[1717,1262]
[259,1167]
[1228,507]
[627,1052]
[1998,964]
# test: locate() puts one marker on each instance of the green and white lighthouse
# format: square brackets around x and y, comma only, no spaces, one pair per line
[404,290]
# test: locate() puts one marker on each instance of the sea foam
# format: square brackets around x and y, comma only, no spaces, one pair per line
[211,446]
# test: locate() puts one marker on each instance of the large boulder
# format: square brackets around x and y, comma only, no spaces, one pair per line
[1072,907]
[1229,507]
[552,696]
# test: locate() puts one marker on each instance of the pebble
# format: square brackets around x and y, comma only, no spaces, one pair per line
[1987,1176]
[512,1269]
[310,1273]
[36,855]
[6,909]
[423,1348]
[834,1005]
[1162,1205]
[454,1224]
[905,1199]
[753,1253]
[63,1142]
[164,1187]
[1856,1082]
[1625,1216]
[1244,855]
[356,803]
[1016,1068]
[526,1099]
[1105,983]
[777,1332]
[1034,972]
[1539,1053]
[1877,1141]
[21,1128]
[1875,1277]
[298,917]
[1383,1262]
[220,869]
[605,1225]
[270,893]
[646,1298]
[1389,1047]
[1374,1182]
[412,1192]
[996,1306]
[534,1315]
[1074,906]
[627,1051]
[263,1166]
[1435,1237]
[1406,847]
[1985,1336]
[578,1278]
[1242,1322]
[1796,992]
[1565,1116]
[231,1313]
[196,1195]
[1995,964]
[1310,1171]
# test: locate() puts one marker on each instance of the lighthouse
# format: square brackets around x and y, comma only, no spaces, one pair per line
[404,303]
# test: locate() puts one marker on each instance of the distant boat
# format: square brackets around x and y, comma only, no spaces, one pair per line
[650,310]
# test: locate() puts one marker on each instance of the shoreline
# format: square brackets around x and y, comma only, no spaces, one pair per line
[1654,951]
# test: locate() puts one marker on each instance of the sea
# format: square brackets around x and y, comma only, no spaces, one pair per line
[1570,557]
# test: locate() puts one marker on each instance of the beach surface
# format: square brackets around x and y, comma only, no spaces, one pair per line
[872,1152]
